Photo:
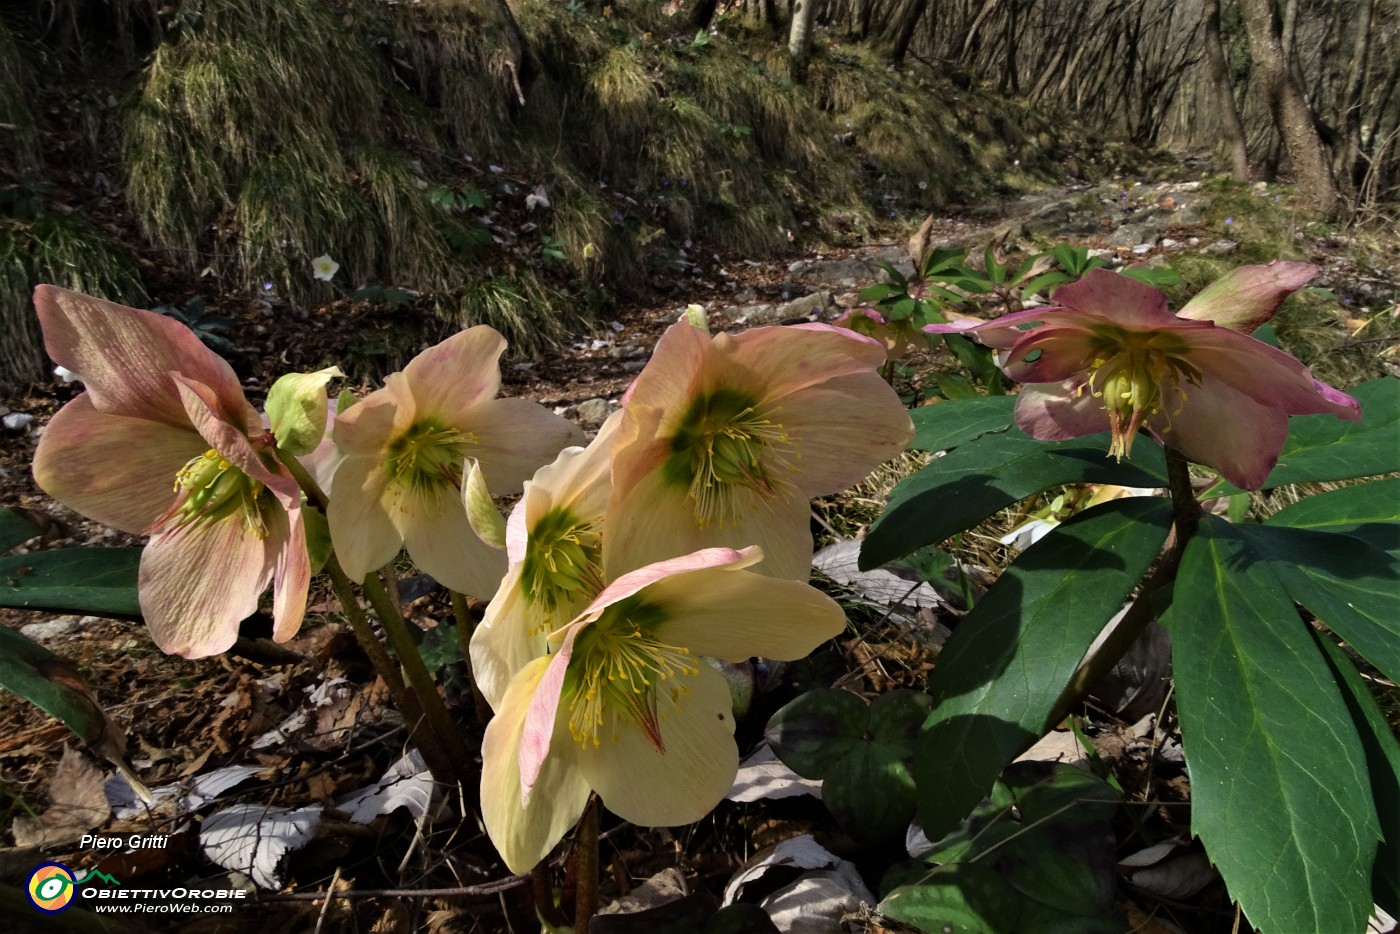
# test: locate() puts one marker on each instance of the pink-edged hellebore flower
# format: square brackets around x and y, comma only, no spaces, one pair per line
[406,445]
[1109,356]
[164,444]
[626,708]
[554,545]
[724,440]
[901,338]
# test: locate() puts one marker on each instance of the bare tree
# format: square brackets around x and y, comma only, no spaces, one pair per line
[1218,76]
[800,39]
[1291,114]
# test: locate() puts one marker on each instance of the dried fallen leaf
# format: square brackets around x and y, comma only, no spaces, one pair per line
[253,838]
[77,805]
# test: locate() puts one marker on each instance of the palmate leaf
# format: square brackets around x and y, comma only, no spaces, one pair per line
[1280,794]
[1347,583]
[1323,447]
[965,486]
[1009,660]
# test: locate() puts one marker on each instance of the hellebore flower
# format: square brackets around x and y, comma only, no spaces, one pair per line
[625,707]
[164,444]
[554,545]
[405,447]
[1110,356]
[324,268]
[725,439]
[901,338]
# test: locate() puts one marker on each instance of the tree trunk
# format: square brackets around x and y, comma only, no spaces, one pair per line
[800,39]
[1349,162]
[1291,114]
[1218,75]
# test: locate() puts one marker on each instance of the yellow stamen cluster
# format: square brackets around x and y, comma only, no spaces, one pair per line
[1137,374]
[725,447]
[429,454]
[618,668]
[562,567]
[210,489]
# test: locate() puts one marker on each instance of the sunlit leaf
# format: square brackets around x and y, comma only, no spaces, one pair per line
[1280,793]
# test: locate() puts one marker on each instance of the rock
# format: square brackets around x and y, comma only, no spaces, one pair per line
[1134,234]
[54,628]
[810,307]
[762,313]
[1169,244]
[1222,246]
[17,421]
[1142,249]
[594,411]
[1191,212]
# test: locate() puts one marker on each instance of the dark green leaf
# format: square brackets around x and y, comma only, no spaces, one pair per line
[1280,794]
[965,486]
[946,425]
[818,729]
[1347,583]
[870,791]
[1368,511]
[101,581]
[959,899]
[15,529]
[1383,762]
[878,292]
[1009,660]
[1158,278]
[51,684]
[896,716]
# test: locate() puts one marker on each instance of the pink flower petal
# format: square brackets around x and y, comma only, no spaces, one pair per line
[1267,375]
[366,427]
[117,470]
[1055,412]
[435,530]
[1114,296]
[1247,296]
[198,582]
[846,427]
[286,542]
[364,536]
[1062,352]
[633,581]
[125,355]
[539,724]
[1227,430]
[230,441]
[514,438]
[450,379]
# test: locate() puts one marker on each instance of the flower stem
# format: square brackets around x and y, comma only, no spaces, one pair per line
[1186,516]
[586,866]
[423,738]
[423,684]
[428,721]
[465,627]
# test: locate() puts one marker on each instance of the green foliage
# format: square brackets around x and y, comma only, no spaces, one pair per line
[53,685]
[209,327]
[1035,856]
[99,581]
[1280,791]
[860,752]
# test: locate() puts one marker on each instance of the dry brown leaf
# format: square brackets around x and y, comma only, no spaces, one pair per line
[77,805]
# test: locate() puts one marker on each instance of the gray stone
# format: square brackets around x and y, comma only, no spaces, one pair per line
[811,307]
[762,313]
[55,628]
[594,411]
[17,421]
[1222,246]
[1133,234]
[1190,212]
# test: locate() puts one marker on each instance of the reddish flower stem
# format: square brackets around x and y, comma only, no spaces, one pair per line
[1187,515]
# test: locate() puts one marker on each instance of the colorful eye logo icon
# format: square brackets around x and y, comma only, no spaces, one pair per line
[50,887]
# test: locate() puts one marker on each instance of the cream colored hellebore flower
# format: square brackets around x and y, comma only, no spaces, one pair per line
[625,707]
[405,447]
[163,443]
[725,439]
[554,544]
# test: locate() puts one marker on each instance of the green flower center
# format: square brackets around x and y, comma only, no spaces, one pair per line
[562,565]
[211,489]
[619,669]
[429,454]
[724,447]
[1138,374]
